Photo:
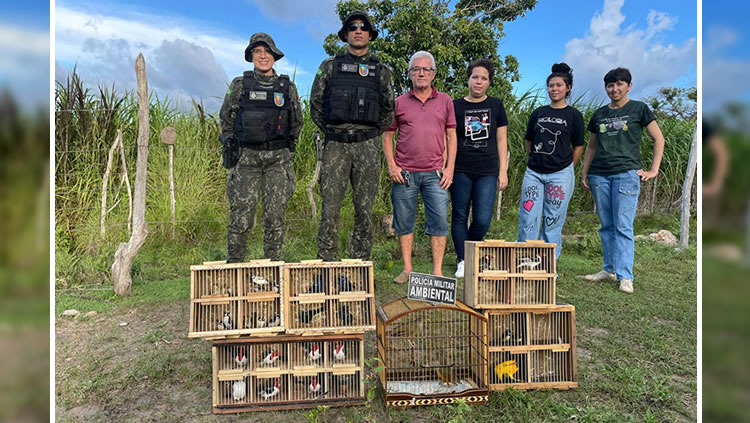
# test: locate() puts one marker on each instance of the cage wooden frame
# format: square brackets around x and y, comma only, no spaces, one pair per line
[540,342]
[217,287]
[503,275]
[433,357]
[288,369]
[329,297]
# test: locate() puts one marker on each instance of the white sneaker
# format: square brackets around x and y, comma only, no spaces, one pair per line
[460,269]
[626,285]
[600,276]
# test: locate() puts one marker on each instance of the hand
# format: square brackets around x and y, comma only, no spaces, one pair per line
[447,180]
[395,174]
[646,175]
[584,182]
[502,181]
[711,190]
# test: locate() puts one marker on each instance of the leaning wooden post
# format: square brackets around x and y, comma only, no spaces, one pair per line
[687,186]
[105,182]
[500,194]
[168,137]
[126,252]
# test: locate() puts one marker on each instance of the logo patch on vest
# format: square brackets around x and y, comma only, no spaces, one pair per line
[257,95]
[278,99]
[364,70]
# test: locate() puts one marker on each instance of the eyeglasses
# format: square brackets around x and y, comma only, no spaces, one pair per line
[417,69]
[260,51]
[354,25]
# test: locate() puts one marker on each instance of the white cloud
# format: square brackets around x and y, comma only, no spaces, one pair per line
[183,59]
[24,67]
[723,77]
[609,45]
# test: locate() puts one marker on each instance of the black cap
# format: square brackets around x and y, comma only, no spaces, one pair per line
[357,15]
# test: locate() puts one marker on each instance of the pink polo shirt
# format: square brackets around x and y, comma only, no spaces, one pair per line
[421,130]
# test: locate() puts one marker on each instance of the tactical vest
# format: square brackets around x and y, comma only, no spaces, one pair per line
[353,92]
[262,121]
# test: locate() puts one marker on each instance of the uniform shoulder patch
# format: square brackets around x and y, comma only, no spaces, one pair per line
[229,92]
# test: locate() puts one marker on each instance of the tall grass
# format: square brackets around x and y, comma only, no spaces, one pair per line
[86,123]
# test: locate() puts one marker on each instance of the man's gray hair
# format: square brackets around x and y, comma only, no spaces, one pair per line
[420,54]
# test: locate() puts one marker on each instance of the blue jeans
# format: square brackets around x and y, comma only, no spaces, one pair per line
[478,193]
[404,199]
[545,194]
[616,199]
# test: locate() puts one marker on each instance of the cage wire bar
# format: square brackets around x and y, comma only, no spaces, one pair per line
[433,354]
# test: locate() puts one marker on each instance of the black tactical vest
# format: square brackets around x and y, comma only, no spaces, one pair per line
[353,91]
[263,116]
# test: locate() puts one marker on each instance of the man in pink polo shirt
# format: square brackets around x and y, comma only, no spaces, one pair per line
[426,126]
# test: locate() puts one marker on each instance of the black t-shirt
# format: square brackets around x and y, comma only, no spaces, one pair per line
[476,130]
[553,134]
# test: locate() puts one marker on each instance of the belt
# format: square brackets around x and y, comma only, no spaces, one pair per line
[351,135]
[269,145]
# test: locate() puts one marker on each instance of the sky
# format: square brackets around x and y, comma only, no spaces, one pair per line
[194,51]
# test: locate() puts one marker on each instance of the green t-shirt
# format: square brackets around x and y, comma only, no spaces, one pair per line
[618,133]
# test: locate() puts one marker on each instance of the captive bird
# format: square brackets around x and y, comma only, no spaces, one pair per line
[506,368]
[313,352]
[241,358]
[260,283]
[226,322]
[270,357]
[338,352]
[314,386]
[528,262]
[275,321]
[446,374]
[270,392]
[239,389]
[485,263]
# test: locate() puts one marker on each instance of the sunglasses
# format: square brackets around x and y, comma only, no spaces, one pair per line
[354,25]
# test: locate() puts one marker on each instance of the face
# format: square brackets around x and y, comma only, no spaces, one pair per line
[479,81]
[423,78]
[262,59]
[557,89]
[618,90]
[360,36]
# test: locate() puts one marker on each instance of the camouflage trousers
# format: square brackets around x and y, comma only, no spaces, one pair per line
[269,172]
[342,162]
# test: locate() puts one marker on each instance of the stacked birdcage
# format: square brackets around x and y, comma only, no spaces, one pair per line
[531,340]
[432,354]
[260,315]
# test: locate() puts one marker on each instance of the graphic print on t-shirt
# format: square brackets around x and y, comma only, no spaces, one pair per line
[548,136]
[611,125]
[477,127]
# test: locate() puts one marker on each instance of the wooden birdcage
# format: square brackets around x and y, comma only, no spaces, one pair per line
[231,299]
[501,274]
[433,354]
[329,297]
[532,348]
[287,372]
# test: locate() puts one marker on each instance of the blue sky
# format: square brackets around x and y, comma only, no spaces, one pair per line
[195,50]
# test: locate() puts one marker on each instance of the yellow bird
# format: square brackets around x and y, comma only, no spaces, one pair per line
[508,368]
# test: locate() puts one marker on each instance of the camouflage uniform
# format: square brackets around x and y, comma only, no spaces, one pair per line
[356,161]
[269,172]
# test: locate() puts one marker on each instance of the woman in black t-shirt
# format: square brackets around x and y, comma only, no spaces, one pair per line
[481,168]
[554,143]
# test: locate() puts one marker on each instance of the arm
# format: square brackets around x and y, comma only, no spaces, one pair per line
[387,102]
[296,121]
[394,171]
[230,106]
[316,94]
[719,149]
[577,151]
[502,152]
[450,146]
[655,133]
[528,147]
[587,158]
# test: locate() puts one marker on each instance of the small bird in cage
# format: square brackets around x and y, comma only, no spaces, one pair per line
[530,262]
[338,352]
[216,289]
[314,386]
[346,318]
[506,368]
[275,321]
[275,286]
[486,263]
[239,389]
[241,357]
[344,284]
[271,391]
[226,322]
[260,321]
[313,351]
[306,316]
[508,338]
[446,374]
[270,357]
[259,282]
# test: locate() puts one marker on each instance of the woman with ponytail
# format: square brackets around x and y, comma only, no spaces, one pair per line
[554,143]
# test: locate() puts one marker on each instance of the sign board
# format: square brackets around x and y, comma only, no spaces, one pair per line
[432,289]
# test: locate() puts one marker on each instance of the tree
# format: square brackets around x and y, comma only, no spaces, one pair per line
[674,102]
[471,30]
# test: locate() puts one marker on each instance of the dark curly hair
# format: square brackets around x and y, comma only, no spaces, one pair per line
[484,63]
[563,71]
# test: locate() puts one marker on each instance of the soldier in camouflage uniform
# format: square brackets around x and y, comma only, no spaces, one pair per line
[352,103]
[261,119]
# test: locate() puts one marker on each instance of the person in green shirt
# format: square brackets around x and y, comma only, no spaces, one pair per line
[612,171]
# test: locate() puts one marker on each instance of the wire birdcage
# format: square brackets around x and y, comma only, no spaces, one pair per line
[433,354]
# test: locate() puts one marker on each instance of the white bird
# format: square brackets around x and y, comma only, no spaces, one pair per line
[314,353]
[260,281]
[238,390]
[271,392]
[314,386]
[338,352]
[260,322]
[275,321]
[227,321]
[527,262]
[271,357]
[241,358]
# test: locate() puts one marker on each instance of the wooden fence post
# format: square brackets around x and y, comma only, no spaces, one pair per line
[126,252]
[168,137]
[686,191]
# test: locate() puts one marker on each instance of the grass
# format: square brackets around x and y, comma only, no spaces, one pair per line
[637,353]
